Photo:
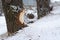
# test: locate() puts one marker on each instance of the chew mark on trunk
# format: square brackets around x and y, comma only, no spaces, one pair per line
[21,16]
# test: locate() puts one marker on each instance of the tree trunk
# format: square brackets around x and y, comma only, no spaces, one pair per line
[12,15]
[42,7]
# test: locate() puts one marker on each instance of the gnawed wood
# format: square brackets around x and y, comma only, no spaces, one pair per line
[21,17]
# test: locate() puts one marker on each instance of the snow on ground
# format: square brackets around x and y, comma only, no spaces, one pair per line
[55,1]
[3,28]
[46,28]
[56,9]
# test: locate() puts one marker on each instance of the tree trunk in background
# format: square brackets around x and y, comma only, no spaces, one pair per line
[42,7]
[0,8]
[12,18]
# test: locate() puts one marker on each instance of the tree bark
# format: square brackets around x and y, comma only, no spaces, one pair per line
[12,18]
[42,7]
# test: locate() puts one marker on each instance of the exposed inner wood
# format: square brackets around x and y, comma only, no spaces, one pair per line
[21,17]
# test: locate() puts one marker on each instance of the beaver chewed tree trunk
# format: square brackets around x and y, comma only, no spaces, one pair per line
[12,10]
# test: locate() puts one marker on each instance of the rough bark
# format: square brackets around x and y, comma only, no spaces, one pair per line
[12,18]
[42,7]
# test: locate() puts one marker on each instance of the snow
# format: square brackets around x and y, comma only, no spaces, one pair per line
[46,28]
[56,8]
[54,1]
[29,11]
[3,28]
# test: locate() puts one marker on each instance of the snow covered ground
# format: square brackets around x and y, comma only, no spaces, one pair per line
[54,1]
[3,28]
[46,28]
